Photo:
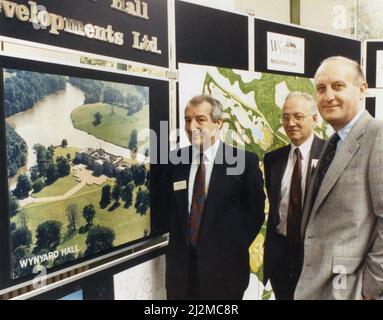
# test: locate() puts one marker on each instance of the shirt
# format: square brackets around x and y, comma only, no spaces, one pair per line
[209,155]
[343,133]
[304,148]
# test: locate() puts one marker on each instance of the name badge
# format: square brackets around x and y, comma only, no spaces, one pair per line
[179,185]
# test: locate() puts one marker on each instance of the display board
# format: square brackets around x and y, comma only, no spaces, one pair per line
[291,44]
[145,281]
[102,286]
[76,181]
[374,104]
[67,131]
[374,64]
[131,30]
[379,106]
[370,105]
[211,37]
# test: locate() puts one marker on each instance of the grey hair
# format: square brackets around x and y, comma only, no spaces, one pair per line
[216,112]
[359,75]
[309,98]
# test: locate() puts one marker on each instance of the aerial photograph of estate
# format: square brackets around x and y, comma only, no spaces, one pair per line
[78,174]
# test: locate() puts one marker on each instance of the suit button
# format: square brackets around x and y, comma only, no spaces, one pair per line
[308,265]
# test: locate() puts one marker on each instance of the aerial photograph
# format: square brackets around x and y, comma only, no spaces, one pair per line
[78,174]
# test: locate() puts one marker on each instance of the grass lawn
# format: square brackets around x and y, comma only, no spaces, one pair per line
[62,152]
[114,128]
[126,223]
[58,188]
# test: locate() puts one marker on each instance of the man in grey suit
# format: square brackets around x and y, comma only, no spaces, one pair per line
[342,224]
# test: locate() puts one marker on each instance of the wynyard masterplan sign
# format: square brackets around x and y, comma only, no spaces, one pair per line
[117,28]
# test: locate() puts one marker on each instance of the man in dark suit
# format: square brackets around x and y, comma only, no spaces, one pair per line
[288,171]
[217,209]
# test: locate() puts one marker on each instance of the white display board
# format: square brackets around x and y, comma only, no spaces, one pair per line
[285,53]
[145,281]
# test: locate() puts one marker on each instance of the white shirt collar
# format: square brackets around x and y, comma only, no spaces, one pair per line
[304,148]
[209,153]
[346,130]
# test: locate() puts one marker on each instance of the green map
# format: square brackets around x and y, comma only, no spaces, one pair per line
[252,108]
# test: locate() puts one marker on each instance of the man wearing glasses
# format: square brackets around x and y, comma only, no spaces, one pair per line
[287,172]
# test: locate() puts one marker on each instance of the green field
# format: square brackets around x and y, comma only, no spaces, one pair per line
[126,223]
[58,188]
[62,152]
[114,128]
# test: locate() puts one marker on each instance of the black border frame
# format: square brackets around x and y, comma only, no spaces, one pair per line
[98,286]
[371,48]
[210,36]
[159,111]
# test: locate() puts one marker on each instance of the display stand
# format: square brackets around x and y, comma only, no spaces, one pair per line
[84,38]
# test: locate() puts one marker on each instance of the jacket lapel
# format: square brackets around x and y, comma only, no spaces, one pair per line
[315,152]
[342,159]
[182,172]
[276,178]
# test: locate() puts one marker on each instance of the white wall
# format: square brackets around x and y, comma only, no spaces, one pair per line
[218,4]
[272,9]
[332,16]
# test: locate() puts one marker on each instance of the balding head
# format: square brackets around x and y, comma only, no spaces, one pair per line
[357,69]
[340,86]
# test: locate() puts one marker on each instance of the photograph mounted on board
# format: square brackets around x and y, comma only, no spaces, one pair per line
[78,178]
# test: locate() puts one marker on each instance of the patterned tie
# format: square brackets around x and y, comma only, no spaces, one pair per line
[294,213]
[198,202]
[325,162]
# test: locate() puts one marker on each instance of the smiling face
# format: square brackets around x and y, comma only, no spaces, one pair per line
[298,130]
[202,131]
[339,97]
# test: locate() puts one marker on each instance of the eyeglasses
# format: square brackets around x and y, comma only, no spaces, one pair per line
[298,117]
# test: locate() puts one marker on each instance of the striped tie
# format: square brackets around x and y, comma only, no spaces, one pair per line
[198,202]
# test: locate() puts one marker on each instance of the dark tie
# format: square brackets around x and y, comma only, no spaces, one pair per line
[325,162]
[198,202]
[294,213]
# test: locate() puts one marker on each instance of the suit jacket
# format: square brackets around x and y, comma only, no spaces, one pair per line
[343,232]
[275,163]
[233,215]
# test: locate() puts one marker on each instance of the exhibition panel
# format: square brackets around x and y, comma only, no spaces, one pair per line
[131,30]
[374,63]
[287,43]
[85,139]
[77,175]
[211,37]
[371,105]
[148,282]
